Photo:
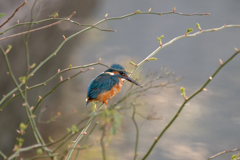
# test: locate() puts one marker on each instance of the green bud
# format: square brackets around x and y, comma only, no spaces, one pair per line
[74,129]
[50,139]
[138,11]
[9,47]
[189,30]
[39,151]
[160,39]
[70,66]
[198,26]
[153,58]
[132,63]
[234,157]
[182,89]
[22,79]
[69,130]
[55,15]
[33,65]
[23,126]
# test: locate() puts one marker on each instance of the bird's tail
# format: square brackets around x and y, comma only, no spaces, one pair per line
[86,103]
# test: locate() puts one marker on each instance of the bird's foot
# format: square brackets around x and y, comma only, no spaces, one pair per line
[105,104]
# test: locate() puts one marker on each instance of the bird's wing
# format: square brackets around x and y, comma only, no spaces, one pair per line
[103,82]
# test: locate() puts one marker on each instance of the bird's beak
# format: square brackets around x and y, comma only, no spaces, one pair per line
[131,80]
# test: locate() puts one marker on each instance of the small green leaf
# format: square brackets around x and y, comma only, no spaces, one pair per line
[113,130]
[132,63]
[234,157]
[189,30]
[74,129]
[23,126]
[50,139]
[20,140]
[138,11]
[182,89]
[33,65]
[69,130]
[22,79]
[70,66]
[160,39]
[55,15]
[153,58]
[39,151]
[2,15]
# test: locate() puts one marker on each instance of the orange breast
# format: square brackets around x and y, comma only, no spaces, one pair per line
[109,94]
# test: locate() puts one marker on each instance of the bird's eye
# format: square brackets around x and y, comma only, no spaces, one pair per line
[121,72]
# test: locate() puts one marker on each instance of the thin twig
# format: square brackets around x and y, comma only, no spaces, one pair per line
[44,156]
[24,150]
[36,29]
[137,132]
[223,152]
[85,140]
[13,13]
[103,144]
[187,100]
[3,155]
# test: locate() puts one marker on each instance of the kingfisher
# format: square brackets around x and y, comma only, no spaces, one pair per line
[107,84]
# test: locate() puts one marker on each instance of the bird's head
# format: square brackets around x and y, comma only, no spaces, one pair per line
[117,69]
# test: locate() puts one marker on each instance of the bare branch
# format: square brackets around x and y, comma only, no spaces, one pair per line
[13,13]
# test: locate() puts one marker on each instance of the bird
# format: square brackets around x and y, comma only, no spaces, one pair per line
[107,84]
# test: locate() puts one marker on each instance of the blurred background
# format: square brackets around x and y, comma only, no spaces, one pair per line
[208,124]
